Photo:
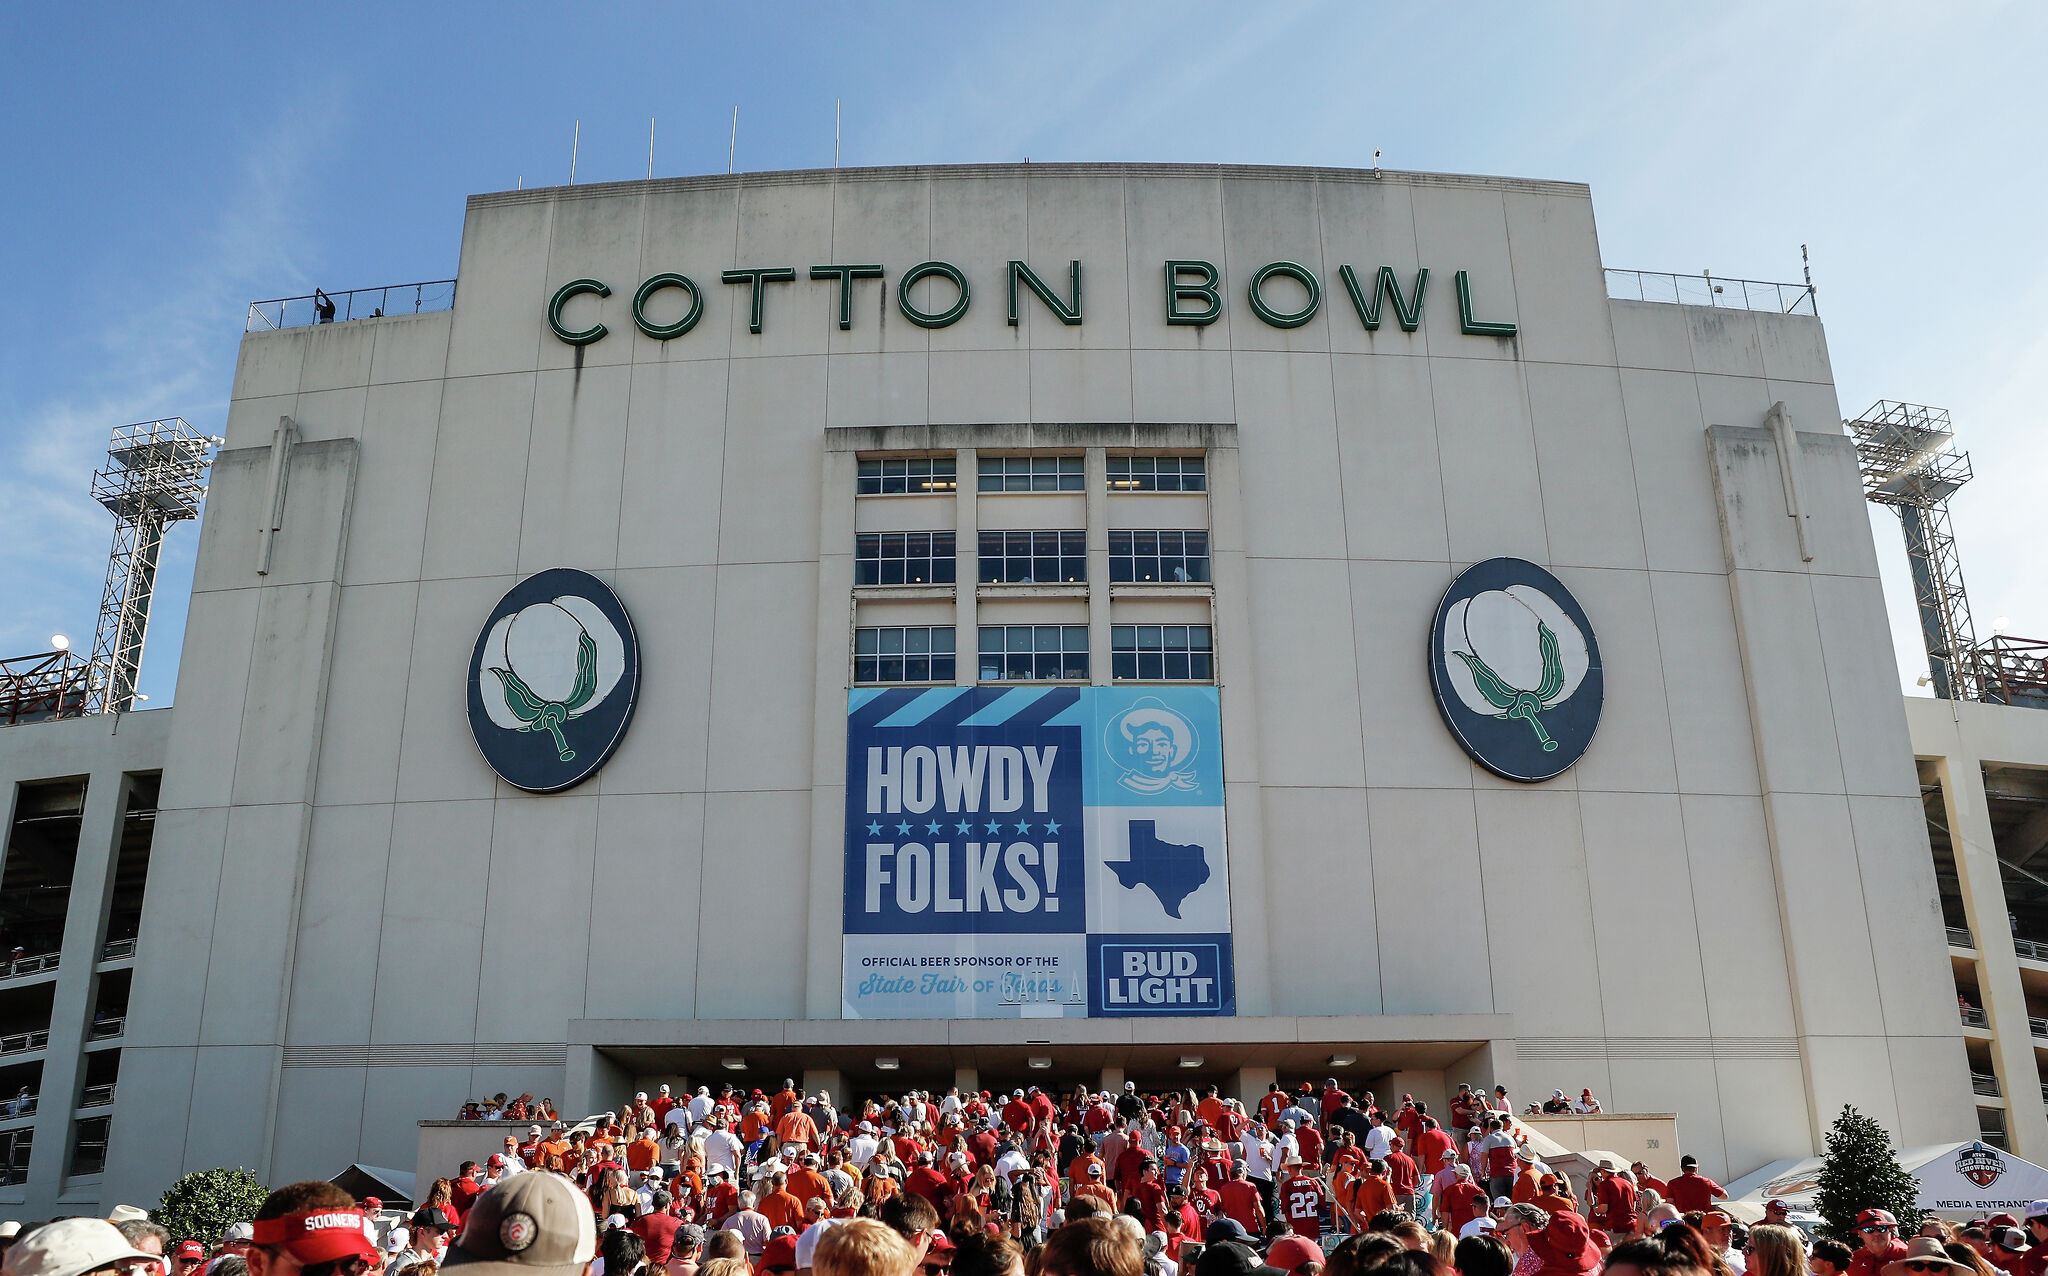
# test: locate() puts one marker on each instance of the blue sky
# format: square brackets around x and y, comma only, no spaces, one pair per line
[165,165]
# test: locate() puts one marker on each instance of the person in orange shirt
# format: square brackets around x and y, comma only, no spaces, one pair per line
[553,1151]
[795,1131]
[1551,1197]
[806,1184]
[1094,1189]
[1210,1109]
[784,1100]
[1370,1194]
[1348,1156]
[778,1206]
[1273,1103]
[1083,1165]
[753,1124]
[643,1152]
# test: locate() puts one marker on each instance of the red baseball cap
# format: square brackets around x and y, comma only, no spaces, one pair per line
[781,1252]
[190,1249]
[1876,1218]
[320,1236]
[1290,1252]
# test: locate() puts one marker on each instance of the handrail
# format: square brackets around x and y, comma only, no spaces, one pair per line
[1959,937]
[41,963]
[116,949]
[2037,1026]
[374,303]
[96,1096]
[108,1029]
[1974,1017]
[23,1042]
[1984,1083]
[1711,290]
[2028,950]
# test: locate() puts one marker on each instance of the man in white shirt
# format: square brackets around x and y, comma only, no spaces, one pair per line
[1379,1140]
[700,1103]
[951,1103]
[722,1147]
[1258,1165]
[1011,1163]
[860,1149]
[1289,1147]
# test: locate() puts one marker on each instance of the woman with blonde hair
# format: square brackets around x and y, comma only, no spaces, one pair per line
[1774,1250]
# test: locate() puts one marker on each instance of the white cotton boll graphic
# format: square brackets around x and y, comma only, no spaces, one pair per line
[1501,628]
[541,646]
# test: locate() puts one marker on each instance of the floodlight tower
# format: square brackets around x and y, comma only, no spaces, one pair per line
[155,476]
[1903,451]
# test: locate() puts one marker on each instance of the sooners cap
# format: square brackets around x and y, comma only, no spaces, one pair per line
[781,1252]
[528,1225]
[1883,1218]
[317,1236]
[189,1249]
[1290,1252]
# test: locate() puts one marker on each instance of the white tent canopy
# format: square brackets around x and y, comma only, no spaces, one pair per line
[1960,1179]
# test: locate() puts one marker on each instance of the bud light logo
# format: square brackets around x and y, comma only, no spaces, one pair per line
[1131,975]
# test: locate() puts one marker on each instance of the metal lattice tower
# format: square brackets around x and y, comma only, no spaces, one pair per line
[155,476]
[1903,451]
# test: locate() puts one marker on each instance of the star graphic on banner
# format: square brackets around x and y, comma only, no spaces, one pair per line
[994,827]
[874,830]
[904,829]
[932,828]
[964,827]
[1051,827]
[1023,828]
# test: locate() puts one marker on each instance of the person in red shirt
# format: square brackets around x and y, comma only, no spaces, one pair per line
[1333,1094]
[1431,1144]
[1692,1190]
[1345,1154]
[1881,1244]
[1409,1119]
[1210,1109]
[1461,1202]
[1229,1125]
[1042,1105]
[1302,1196]
[1614,1202]
[1240,1200]
[1648,1182]
[657,1230]
[925,1181]
[721,1194]
[1017,1113]
[1310,1141]
[1403,1176]
[1150,1194]
[464,1190]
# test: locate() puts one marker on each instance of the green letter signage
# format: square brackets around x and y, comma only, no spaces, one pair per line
[1407,312]
[1205,291]
[1286,318]
[576,288]
[846,275]
[757,276]
[669,331]
[1069,315]
[1474,327]
[922,270]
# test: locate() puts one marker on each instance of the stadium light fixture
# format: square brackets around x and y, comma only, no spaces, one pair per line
[733,1065]
[888,1065]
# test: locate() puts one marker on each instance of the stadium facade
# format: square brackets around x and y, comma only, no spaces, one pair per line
[1020,624]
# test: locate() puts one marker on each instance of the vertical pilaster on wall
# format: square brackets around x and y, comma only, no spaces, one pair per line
[967,568]
[1112,1080]
[1968,813]
[1249,1085]
[826,1079]
[71,1002]
[1096,467]
[831,675]
[967,1079]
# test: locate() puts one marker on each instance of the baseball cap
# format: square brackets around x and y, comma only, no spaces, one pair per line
[1225,1229]
[1477,1227]
[1232,1259]
[2001,1220]
[1290,1252]
[433,1216]
[72,1246]
[807,1244]
[189,1249]
[239,1232]
[528,1225]
[371,1204]
[316,1236]
[2036,1209]
[1883,1218]
[781,1252]
[2010,1238]
[496,1158]
[1776,1206]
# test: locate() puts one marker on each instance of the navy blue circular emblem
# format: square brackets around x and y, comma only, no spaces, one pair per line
[1515,669]
[553,680]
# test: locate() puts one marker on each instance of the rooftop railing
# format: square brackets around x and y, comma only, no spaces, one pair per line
[1984,1083]
[2028,950]
[1711,290]
[107,1029]
[1974,1017]
[1959,937]
[23,1042]
[40,963]
[357,303]
[116,949]
[97,1096]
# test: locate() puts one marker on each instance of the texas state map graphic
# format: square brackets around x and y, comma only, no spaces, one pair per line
[1172,871]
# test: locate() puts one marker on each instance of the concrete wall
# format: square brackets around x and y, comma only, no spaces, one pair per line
[1650,1137]
[395,930]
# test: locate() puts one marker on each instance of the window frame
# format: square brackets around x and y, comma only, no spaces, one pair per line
[1063,473]
[1155,662]
[1133,556]
[1068,550]
[881,558]
[1141,474]
[908,476]
[904,654]
[1070,662]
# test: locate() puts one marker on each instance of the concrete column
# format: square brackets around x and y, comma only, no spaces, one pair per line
[71,1006]
[1096,467]
[1249,1085]
[832,674]
[967,570]
[1998,972]
[592,1082]
[968,1079]
[1426,1086]
[1112,1081]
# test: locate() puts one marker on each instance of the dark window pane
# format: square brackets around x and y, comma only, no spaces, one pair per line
[942,669]
[1199,666]
[1075,666]
[864,669]
[1123,664]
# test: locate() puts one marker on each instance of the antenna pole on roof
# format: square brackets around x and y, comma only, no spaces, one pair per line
[650,147]
[575,142]
[835,132]
[733,145]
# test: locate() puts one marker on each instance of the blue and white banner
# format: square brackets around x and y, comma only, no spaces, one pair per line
[1035,852]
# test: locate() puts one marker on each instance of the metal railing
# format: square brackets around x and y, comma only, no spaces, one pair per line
[357,303]
[97,1096]
[117,949]
[1974,1017]
[25,1106]
[1711,290]
[1984,1083]
[1958,937]
[2037,1027]
[2028,950]
[23,1042]
[1993,1138]
[107,1029]
[40,963]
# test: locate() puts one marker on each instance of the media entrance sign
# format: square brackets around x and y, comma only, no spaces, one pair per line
[1035,852]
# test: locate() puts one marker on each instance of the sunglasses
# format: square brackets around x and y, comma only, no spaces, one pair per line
[1924,1266]
[354,1265]
[1874,1229]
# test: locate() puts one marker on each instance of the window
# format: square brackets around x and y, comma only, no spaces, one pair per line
[89,1145]
[15,1146]
[1034,653]
[1033,558]
[1151,557]
[1158,474]
[903,653]
[903,558]
[1161,653]
[1032,474]
[910,475]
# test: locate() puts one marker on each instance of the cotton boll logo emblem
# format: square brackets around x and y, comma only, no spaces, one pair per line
[1516,669]
[553,680]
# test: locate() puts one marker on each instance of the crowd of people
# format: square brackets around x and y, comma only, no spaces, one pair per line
[1304,1183]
